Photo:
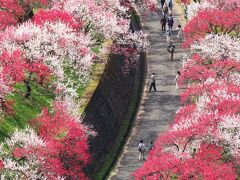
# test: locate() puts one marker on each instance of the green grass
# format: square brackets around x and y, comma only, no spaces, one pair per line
[96,75]
[25,109]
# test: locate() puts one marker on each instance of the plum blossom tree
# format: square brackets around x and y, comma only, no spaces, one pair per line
[215,46]
[105,23]
[193,8]
[17,69]
[211,21]
[226,5]
[59,47]
[204,164]
[110,20]
[18,155]
[58,151]
[13,12]
[66,150]
[54,16]
[95,17]
[221,4]
[228,132]
[198,69]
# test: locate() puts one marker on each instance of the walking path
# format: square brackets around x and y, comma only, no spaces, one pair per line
[157,109]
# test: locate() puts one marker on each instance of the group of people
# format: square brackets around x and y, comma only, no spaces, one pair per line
[167,6]
[153,79]
[167,19]
[143,149]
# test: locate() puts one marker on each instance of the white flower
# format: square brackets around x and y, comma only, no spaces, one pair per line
[218,47]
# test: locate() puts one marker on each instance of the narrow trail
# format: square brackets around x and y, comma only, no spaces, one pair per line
[157,109]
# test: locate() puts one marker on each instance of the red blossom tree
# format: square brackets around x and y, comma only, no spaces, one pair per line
[66,152]
[43,16]
[13,11]
[204,164]
[211,21]
[16,69]
[199,69]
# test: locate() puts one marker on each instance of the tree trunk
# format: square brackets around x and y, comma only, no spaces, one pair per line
[29,89]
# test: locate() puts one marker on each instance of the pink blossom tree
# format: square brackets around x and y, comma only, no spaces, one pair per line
[58,151]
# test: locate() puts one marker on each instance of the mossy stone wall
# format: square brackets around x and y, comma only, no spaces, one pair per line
[109,106]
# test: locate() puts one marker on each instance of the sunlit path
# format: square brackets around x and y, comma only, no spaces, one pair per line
[157,109]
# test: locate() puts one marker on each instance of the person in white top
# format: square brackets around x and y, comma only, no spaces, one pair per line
[153,85]
[180,33]
[176,79]
[141,149]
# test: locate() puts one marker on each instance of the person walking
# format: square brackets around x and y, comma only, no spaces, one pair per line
[162,3]
[168,33]
[164,22]
[141,149]
[170,21]
[150,146]
[176,79]
[180,33]
[171,50]
[170,6]
[165,9]
[153,85]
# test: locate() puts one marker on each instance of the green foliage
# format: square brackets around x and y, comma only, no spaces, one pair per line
[25,109]
[98,37]
[96,49]
[74,79]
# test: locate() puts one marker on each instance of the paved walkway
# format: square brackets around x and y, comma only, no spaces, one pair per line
[157,109]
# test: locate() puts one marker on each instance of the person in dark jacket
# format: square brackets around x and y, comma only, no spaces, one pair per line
[164,22]
[162,3]
[170,21]
[171,50]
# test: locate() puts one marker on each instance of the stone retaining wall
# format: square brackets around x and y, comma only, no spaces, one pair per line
[109,105]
